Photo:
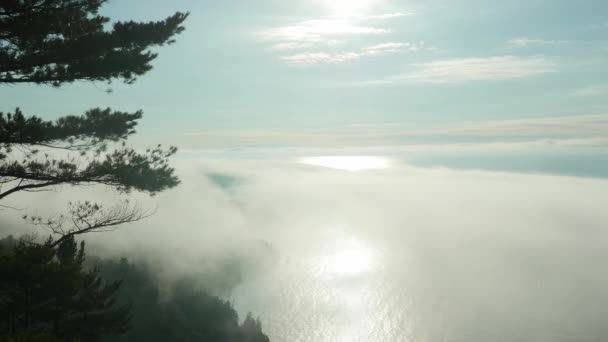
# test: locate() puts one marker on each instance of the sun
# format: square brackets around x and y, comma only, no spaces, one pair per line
[347,7]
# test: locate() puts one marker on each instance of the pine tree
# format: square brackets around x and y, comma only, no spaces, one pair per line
[47,294]
[55,42]
[62,41]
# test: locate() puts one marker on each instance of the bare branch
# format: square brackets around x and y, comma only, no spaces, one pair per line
[87,217]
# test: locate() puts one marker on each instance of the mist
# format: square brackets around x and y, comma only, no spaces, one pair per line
[402,253]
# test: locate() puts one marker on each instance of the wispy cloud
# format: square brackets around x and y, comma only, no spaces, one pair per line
[292,46]
[599,26]
[318,30]
[288,46]
[497,68]
[592,90]
[389,15]
[522,42]
[577,126]
[561,131]
[311,58]
[482,69]
[392,47]
[319,37]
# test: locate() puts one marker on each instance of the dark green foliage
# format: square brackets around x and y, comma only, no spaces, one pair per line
[72,132]
[187,313]
[124,169]
[251,330]
[128,306]
[61,41]
[46,294]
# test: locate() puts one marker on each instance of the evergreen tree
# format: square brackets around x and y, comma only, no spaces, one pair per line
[56,42]
[188,313]
[62,41]
[47,295]
[251,330]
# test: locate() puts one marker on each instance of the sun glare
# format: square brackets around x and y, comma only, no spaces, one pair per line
[349,257]
[348,163]
[348,7]
[351,261]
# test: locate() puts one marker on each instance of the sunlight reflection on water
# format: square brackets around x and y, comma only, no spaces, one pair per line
[350,257]
[431,257]
[337,293]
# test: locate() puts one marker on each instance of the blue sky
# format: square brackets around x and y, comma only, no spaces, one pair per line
[328,72]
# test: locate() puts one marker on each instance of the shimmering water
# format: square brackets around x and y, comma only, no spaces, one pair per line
[437,258]
[369,249]
[375,296]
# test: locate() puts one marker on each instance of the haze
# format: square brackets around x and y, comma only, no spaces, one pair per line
[388,170]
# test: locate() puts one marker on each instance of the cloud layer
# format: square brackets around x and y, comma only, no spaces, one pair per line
[556,131]
[487,252]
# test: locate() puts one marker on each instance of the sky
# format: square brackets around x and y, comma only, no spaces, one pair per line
[361,73]
[478,194]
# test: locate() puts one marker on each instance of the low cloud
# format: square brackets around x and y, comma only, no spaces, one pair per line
[469,247]
[476,248]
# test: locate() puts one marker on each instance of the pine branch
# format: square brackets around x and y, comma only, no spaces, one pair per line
[87,217]
[28,187]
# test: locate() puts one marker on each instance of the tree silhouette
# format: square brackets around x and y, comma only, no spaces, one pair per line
[124,168]
[62,41]
[188,314]
[48,295]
